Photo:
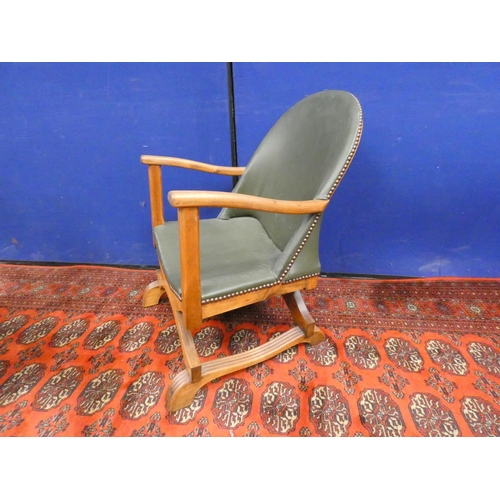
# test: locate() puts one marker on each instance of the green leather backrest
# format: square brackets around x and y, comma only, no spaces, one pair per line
[300,158]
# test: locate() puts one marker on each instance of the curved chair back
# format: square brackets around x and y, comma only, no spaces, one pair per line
[303,156]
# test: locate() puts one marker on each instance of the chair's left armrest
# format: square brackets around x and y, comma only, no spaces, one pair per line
[155,183]
[172,161]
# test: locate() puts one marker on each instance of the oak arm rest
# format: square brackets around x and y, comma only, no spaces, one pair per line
[191,199]
[191,164]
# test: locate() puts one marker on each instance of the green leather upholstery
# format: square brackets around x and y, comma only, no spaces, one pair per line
[235,254]
[302,157]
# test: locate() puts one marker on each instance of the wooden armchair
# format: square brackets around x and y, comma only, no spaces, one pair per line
[264,241]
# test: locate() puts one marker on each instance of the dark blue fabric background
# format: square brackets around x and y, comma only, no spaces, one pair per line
[420,199]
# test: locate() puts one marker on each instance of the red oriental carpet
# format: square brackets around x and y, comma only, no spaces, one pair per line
[80,356]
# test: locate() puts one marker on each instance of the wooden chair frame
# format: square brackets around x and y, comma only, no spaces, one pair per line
[190,311]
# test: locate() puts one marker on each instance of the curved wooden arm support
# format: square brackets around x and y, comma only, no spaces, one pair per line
[191,199]
[171,161]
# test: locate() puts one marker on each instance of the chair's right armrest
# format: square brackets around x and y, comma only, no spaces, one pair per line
[194,199]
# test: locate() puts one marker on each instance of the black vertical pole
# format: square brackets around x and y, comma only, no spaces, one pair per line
[232,118]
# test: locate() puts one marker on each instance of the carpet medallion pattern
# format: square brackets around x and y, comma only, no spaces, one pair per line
[80,356]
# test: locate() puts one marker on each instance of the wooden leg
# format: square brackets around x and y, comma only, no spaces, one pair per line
[301,316]
[191,359]
[186,384]
[152,294]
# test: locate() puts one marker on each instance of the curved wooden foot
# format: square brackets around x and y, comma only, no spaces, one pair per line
[182,391]
[152,294]
[316,337]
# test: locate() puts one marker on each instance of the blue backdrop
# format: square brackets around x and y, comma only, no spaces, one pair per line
[72,188]
[420,199]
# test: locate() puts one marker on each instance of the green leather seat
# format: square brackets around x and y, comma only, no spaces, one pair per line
[234,254]
[303,157]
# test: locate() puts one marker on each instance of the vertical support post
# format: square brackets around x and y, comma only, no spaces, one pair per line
[156,194]
[189,237]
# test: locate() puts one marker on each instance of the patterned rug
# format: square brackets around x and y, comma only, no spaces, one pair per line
[80,356]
